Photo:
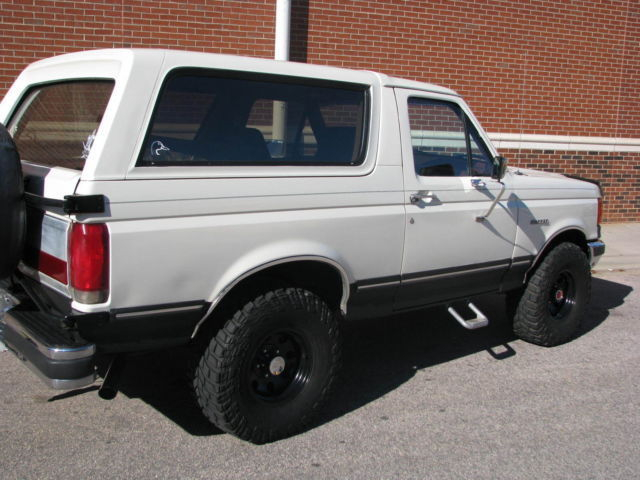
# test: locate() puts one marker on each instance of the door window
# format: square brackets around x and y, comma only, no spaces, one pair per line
[444,142]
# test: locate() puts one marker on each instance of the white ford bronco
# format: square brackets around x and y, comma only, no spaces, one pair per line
[244,208]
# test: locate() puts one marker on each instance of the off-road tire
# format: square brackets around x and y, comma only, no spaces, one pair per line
[237,382]
[555,298]
[12,206]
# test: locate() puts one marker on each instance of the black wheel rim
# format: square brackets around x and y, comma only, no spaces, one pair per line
[279,367]
[562,295]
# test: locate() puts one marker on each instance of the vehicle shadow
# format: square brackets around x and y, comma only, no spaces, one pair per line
[605,296]
[160,380]
[379,356]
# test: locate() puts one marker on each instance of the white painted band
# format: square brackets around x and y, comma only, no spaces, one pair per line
[564,142]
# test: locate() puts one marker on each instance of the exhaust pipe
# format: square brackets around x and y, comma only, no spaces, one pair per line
[109,388]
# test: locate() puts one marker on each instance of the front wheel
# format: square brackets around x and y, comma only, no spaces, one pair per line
[266,373]
[555,298]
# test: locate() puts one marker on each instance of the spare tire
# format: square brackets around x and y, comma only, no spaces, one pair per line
[12,205]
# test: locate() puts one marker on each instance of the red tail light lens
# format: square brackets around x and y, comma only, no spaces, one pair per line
[599,210]
[89,262]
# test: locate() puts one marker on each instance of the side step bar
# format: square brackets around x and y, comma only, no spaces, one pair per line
[478,322]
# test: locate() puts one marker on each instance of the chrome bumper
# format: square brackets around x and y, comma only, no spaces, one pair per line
[596,250]
[46,348]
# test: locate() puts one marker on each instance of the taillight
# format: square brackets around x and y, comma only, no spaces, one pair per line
[89,262]
[599,210]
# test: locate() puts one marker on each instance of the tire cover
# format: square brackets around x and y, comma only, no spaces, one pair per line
[12,205]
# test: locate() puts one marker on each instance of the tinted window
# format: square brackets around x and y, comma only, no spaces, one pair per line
[439,133]
[218,120]
[55,124]
[481,160]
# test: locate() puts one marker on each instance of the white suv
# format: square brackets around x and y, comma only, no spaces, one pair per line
[245,207]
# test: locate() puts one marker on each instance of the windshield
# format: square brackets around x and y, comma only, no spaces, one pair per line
[55,124]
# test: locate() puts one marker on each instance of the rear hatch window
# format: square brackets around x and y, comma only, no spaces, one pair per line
[55,124]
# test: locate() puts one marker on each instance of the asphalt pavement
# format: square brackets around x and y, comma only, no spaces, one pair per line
[419,397]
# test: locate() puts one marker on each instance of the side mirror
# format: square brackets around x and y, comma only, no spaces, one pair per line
[499,168]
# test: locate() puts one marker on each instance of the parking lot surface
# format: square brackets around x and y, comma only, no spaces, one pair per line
[419,397]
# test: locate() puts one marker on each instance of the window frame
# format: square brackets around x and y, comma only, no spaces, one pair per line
[205,72]
[468,127]
[22,107]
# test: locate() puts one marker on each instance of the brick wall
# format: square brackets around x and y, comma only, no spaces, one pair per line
[554,67]
[35,29]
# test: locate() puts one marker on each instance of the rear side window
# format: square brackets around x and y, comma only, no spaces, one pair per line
[226,118]
[55,124]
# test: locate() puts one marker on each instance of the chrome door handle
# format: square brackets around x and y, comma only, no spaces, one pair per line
[427,197]
[478,183]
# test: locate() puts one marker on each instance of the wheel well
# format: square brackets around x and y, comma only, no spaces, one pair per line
[571,236]
[316,276]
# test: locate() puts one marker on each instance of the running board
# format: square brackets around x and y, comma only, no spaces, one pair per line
[478,322]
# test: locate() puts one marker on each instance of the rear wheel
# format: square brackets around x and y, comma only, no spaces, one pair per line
[555,298]
[267,372]
[12,206]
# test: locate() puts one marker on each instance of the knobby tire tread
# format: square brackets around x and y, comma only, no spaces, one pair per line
[532,321]
[214,385]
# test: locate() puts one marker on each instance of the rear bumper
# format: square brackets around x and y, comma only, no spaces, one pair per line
[596,251]
[47,349]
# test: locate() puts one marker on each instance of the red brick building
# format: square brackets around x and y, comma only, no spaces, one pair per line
[556,83]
